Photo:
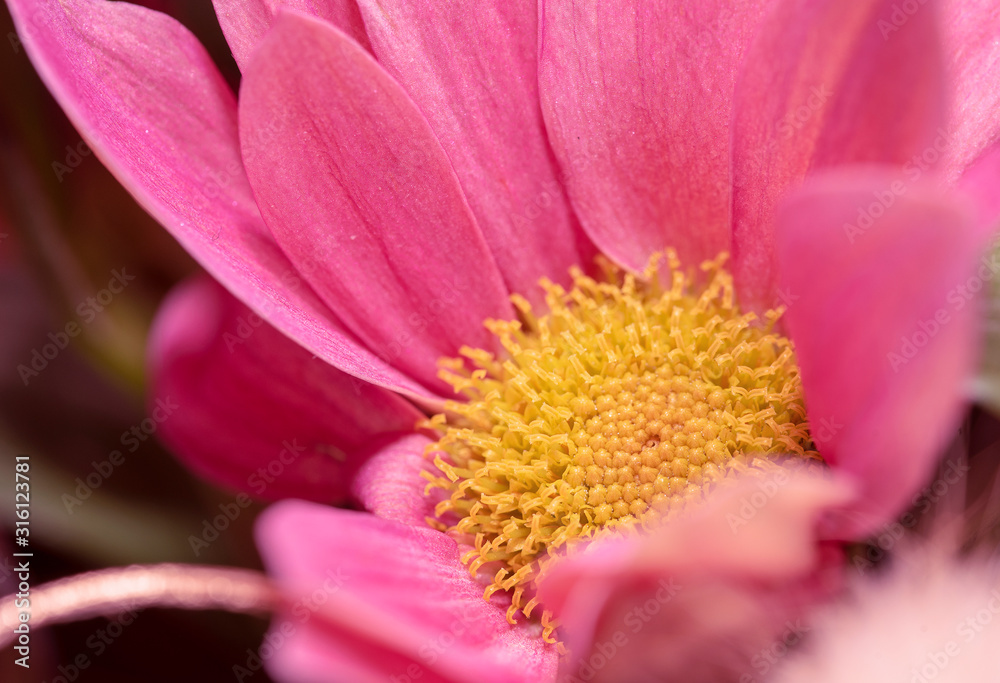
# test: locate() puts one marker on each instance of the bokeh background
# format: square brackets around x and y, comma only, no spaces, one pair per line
[66,227]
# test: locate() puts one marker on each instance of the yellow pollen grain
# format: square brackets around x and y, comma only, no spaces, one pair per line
[621,404]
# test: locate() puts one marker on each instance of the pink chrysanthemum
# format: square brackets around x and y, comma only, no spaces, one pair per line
[393,173]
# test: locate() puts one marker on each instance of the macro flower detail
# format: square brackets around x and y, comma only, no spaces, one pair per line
[623,402]
[394,174]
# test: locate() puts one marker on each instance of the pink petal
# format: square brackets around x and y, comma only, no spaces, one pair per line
[880,274]
[358,187]
[972,52]
[412,575]
[703,593]
[824,85]
[244,22]
[637,98]
[150,103]
[981,181]
[389,484]
[471,68]
[253,411]
[338,646]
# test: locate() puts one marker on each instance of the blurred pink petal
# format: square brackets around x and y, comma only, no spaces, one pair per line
[810,98]
[245,22]
[253,411]
[931,617]
[694,599]
[981,181]
[408,573]
[638,101]
[886,331]
[472,70]
[352,182]
[150,103]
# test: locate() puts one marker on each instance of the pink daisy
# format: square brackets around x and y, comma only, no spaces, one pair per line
[393,174]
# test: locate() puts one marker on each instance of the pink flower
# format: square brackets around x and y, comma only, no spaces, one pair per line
[393,172]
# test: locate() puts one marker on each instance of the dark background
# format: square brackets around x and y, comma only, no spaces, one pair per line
[63,233]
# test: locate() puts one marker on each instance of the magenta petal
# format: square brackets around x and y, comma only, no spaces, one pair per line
[981,181]
[150,103]
[822,85]
[410,574]
[972,53]
[705,591]
[471,68]
[390,484]
[359,193]
[638,98]
[244,22]
[252,410]
[879,275]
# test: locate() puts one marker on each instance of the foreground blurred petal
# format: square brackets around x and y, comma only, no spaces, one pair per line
[148,100]
[638,99]
[358,189]
[694,599]
[823,86]
[930,617]
[981,181]
[410,574]
[244,22]
[880,277]
[472,70]
[253,411]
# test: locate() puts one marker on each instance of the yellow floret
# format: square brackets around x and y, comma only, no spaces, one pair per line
[623,402]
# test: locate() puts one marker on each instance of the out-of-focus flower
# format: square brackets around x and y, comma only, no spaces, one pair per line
[933,618]
[393,173]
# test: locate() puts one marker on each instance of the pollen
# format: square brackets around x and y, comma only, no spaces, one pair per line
[626,400]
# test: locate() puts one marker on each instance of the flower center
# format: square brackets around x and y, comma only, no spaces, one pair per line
[620,405]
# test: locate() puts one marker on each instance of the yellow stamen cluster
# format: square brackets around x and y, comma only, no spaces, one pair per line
[623,402]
